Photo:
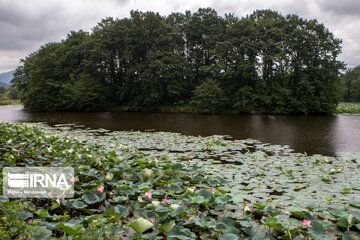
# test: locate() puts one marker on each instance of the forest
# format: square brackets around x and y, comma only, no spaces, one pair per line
[190,62]
[351,85]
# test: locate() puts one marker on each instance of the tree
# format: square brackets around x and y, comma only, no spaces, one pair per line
[351,80]
[40,79]
[262,63]
[2,89]
[13,92]
[86,94]
[209,97]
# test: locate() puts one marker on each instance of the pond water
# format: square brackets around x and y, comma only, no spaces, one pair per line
[327,135]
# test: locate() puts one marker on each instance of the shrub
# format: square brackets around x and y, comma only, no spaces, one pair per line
[209,97]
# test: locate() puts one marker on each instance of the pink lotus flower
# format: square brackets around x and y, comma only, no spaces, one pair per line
[98,159]
[263,217]
[306,223]
[148,195]
[100,189]
[73,180]
[165,200]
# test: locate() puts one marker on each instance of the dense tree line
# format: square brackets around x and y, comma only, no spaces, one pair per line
[351,85]
[10,93]
[265,62]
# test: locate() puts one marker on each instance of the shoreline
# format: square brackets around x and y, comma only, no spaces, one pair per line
[344,108]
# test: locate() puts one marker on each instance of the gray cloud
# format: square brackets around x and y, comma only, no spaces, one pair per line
[25,25]
[344,7]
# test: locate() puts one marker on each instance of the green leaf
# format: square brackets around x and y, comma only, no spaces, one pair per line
[228,236]
[77,204]
[140,225]
[150,214]
[162,209]
[206,194]
[38,232]
[349,235]
[222,191]
[327,180]
[175,188]
[355,204]
[55,206]
[120,199]
[167,227]
[61,218]
[25,215]
[121,210]
[204,223]
[91,198]
[180,211]
[212,182]
[150,236]
[223,199]
[261,205]
[343,223]
[271,224]
[173,207]
[70,228]
[177,167]
[42,213]
[227,221]
[317,230]
[345,191]
[198,199]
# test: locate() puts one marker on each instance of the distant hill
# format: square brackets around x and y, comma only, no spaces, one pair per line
[5,78]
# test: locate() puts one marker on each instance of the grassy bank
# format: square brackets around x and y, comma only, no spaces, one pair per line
[351,108]
[9,102]
[190,181]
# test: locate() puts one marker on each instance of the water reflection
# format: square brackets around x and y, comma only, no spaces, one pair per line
[312,134]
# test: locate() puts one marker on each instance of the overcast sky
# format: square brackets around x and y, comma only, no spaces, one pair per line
[25,25]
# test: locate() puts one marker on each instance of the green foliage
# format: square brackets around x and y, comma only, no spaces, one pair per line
[262,63]
[2,90]
[352,108]
[351,85]
[9,102]
[9,96]
[209,97]
[13,93]
[11,226]
[84,93]
[197,204]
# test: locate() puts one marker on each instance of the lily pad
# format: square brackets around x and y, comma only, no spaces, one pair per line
[141,225]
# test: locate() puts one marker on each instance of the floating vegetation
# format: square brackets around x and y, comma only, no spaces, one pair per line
[179,187]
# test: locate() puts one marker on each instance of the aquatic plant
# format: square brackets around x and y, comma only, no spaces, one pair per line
[199,204]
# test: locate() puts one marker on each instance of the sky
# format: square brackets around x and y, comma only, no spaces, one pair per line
[25,25]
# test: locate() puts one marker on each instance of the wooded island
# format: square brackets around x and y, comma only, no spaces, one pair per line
[193,62]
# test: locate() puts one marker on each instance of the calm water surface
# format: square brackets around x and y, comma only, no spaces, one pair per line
[326,135]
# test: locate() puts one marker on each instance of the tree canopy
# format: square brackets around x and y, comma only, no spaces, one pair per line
[351,85]
[264,62]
